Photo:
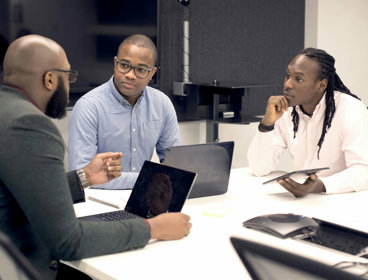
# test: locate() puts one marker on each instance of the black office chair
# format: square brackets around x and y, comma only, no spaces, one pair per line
[13,264]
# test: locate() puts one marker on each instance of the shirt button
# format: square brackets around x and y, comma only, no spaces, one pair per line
[133,129]
[134,149]
[133,168]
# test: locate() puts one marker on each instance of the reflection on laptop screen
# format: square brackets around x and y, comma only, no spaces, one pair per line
[269,269]
[159,189]
[265,263]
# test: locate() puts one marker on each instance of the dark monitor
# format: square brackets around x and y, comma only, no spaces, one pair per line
[90,31]
[159,189]
[265,262]
[13,264]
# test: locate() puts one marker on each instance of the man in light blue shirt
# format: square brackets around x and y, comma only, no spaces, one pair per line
[124,115]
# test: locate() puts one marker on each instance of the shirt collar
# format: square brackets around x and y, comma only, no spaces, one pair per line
[25,94]
[320,108]
[119,97]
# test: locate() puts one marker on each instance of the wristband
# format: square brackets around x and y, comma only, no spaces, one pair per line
[82,178]
[266,127]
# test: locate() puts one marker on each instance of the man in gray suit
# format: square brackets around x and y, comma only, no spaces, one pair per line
[36,197]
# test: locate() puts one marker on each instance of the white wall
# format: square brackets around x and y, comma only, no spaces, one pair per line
[340,27]
[62,125]
[191,133]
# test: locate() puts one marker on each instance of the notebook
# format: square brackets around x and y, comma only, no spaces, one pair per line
[212,162]
[158,189]
[264,262]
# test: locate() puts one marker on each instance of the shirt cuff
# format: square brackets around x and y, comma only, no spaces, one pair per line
[74,186]
[148,225]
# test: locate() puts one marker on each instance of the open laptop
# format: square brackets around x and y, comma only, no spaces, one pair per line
[158,189]
[212,162]
[264,262]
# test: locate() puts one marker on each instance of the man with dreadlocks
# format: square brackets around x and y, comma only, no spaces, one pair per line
[320,122]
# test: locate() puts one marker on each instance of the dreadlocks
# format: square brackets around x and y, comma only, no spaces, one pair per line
[327,71]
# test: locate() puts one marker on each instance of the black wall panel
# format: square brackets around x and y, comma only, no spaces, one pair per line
[231,41]
[236,41]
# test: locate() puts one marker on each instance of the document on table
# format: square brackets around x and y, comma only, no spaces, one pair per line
[113,198]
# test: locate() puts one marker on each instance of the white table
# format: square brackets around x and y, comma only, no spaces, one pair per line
[207,252]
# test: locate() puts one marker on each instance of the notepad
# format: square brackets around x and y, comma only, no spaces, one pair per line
[112,200]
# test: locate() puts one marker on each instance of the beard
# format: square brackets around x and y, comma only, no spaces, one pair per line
[56,108]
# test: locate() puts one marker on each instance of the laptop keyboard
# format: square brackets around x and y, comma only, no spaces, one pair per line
[116,216]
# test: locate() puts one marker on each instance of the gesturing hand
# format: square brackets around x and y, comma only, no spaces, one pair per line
[103,168]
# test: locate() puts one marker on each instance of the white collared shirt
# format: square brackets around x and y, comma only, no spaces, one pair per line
[344,149]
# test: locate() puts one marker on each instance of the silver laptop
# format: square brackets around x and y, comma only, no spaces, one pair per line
[158,189]
[212,162]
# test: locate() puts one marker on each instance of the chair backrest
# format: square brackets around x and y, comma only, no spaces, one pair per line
[13,264]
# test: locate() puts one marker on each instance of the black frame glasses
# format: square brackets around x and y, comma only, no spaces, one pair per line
[139,72]
[72,74]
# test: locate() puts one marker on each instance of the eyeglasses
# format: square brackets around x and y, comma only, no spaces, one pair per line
[140,72]
[72,74]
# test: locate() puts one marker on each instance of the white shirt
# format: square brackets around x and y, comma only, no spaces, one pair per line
[344,149]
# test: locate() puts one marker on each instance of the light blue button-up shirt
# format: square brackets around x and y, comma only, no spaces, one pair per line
[103,121]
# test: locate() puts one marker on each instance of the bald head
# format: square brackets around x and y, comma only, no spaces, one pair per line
[141,41]
[27,66]
[29,57]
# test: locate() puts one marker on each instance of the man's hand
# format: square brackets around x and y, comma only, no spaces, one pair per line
[170,226]
[103,168]
[276,106]
[311,185]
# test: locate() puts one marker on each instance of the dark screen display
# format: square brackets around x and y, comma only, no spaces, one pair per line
[159,189]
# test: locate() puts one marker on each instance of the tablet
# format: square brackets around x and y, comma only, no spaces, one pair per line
[305,171]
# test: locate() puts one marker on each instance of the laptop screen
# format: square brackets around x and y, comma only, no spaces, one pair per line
[159,189]
[264,262]
[212,162]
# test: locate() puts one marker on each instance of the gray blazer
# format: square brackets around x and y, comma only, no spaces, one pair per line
[36,198]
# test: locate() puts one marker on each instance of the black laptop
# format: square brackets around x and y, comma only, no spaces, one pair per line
[158,189]
[264,262]
[212,162]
